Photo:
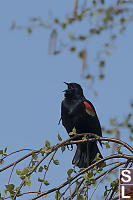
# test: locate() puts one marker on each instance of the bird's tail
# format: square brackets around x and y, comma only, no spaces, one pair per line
[85,154]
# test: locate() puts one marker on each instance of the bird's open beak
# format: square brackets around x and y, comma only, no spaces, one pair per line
[66,83]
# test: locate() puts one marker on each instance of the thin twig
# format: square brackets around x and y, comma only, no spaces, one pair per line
[70,191]
[116,198]
[47,170]
[34,169]
[75,8]
[71,185]
[19,160]
[19,188]
[98,184]
[83,171]
[102,174]
[77,188]
[116,166]
[16,152]
[10,177]
[21,194]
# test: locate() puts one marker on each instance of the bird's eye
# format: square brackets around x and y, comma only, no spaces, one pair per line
[70,87]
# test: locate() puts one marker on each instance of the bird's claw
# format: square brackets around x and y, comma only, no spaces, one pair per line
[70,149]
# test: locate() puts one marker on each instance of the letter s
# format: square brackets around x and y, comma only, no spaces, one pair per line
[126,173]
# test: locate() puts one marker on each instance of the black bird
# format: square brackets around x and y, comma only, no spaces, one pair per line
[79,113]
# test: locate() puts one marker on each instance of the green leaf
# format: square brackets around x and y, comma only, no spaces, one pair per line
[82,37]
[69,172]
[25,171]
[44,196]
[81,54]
[63,25]
[29,30]
[51,156]
[10,187]
[108,53]
[112,121]
[88,77]
[131,138]
[69,20]
[56,162]
[80,197]
[73,132]
[102,165]
[56,20]
[22,177]
[28,181]
[109,131]
[97,157]
[59,137]
[46,182]
[94,2]
[34,156]
[92,31]
[1,161]
[63,148]
[84,138]
[102,63]
[49,150]
[43,150]
[45,167]
[5,150]
[18,171]
[40,169]
[101,76]
[107,145]
[71,36]
[76,163]
[109,179]
[73,49]
[1,151]
[47,143]
[119,149]
[92,179]
[40,180]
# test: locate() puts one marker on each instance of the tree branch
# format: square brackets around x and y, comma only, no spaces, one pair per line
[101,139]
[82,172]
[19,160]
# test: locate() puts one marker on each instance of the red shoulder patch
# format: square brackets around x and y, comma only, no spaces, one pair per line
[89,109]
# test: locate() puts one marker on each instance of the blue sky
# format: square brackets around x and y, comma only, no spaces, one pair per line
[31,80]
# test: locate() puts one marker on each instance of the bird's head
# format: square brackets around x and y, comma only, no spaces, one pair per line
[74,90]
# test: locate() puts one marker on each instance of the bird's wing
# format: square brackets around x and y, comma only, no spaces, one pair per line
[89,108]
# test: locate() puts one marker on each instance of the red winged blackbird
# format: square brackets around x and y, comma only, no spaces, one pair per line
[79,113]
